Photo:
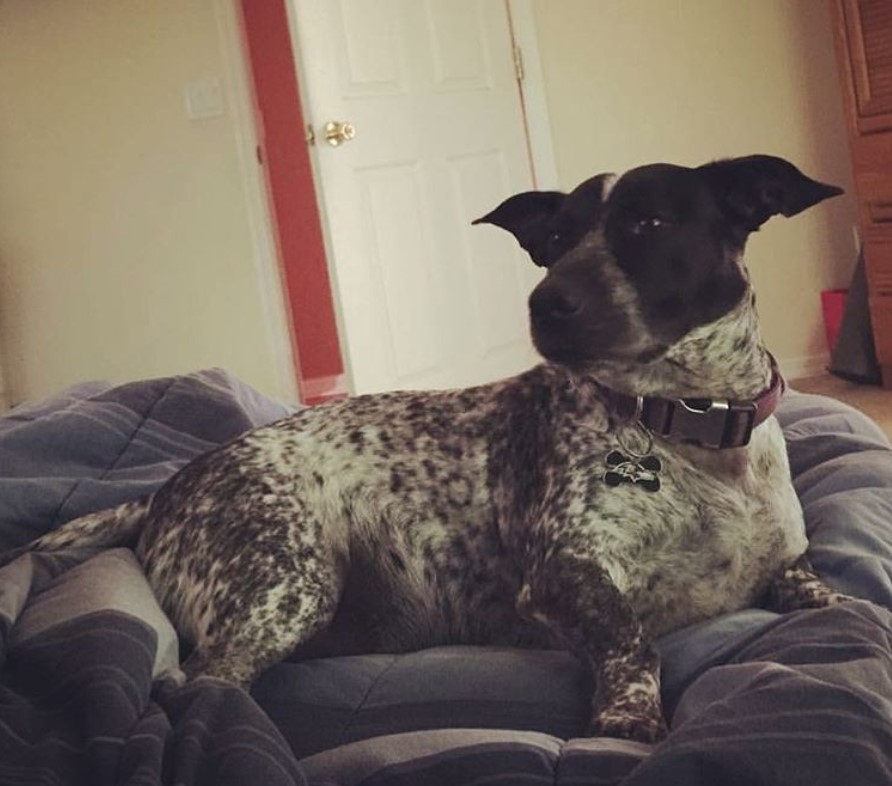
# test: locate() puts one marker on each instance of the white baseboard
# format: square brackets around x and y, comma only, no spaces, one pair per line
[804,367]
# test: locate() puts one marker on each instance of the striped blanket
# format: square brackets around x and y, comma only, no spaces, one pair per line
[84,647]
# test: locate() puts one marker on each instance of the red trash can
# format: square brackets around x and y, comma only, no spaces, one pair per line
[833,303]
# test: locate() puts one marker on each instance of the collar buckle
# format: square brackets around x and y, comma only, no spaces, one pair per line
[711,424]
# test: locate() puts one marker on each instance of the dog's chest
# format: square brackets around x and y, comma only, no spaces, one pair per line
[705,542]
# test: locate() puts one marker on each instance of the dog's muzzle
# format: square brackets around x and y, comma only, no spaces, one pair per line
[574,325]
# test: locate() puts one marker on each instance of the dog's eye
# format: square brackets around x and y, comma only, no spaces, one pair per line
[648,224]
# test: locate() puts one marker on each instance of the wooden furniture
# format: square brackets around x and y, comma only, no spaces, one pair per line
[864,52]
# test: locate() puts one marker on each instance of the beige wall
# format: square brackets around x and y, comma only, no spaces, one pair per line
[125,241]
[685,81]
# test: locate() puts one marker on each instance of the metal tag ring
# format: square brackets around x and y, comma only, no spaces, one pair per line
[647,437]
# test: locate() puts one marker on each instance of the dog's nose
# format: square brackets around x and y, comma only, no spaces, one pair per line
[554,303]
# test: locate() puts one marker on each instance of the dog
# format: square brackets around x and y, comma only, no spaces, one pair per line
[633,483]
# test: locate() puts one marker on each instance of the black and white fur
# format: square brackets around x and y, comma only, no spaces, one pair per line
[399,521]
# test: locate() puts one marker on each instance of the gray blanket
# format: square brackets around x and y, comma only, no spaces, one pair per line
[88,662]
[84,647]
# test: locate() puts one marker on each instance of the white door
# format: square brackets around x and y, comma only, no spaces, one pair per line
[426,300]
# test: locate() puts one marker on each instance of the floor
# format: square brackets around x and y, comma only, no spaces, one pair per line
[872,400]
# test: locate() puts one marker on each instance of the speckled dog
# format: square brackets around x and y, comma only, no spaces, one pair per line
[632,484]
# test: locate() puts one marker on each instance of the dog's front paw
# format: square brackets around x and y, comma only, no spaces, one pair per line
[799,587]
[628,726]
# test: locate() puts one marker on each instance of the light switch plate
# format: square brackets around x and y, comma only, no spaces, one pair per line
[204,98]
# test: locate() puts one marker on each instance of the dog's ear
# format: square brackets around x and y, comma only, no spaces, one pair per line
[527,216]
[752,189]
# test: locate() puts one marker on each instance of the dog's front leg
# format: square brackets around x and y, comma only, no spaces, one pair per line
[799,587]
[575,598]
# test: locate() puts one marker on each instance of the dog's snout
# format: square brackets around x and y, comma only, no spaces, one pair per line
[554,303]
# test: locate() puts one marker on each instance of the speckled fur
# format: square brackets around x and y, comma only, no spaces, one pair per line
[393,522]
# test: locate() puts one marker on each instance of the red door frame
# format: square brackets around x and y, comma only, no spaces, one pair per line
[292,198]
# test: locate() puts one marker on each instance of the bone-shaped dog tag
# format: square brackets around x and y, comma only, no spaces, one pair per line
[643,471]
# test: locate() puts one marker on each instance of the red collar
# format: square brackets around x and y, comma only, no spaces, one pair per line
[709,423]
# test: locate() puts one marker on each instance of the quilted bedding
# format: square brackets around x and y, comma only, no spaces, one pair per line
[86,653]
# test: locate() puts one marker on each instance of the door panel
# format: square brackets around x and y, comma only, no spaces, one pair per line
[396,228]
[458,45]
[367,35]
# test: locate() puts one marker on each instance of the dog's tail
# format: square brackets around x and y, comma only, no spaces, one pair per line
[105,528]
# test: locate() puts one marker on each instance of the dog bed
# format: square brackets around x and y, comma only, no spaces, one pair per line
[752,697]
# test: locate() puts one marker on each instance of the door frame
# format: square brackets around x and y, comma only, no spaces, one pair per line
[284,283]
[535,105]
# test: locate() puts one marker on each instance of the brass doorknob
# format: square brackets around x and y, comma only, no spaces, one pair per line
[337,132]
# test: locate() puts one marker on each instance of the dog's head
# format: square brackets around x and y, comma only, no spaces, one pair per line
[637,262]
